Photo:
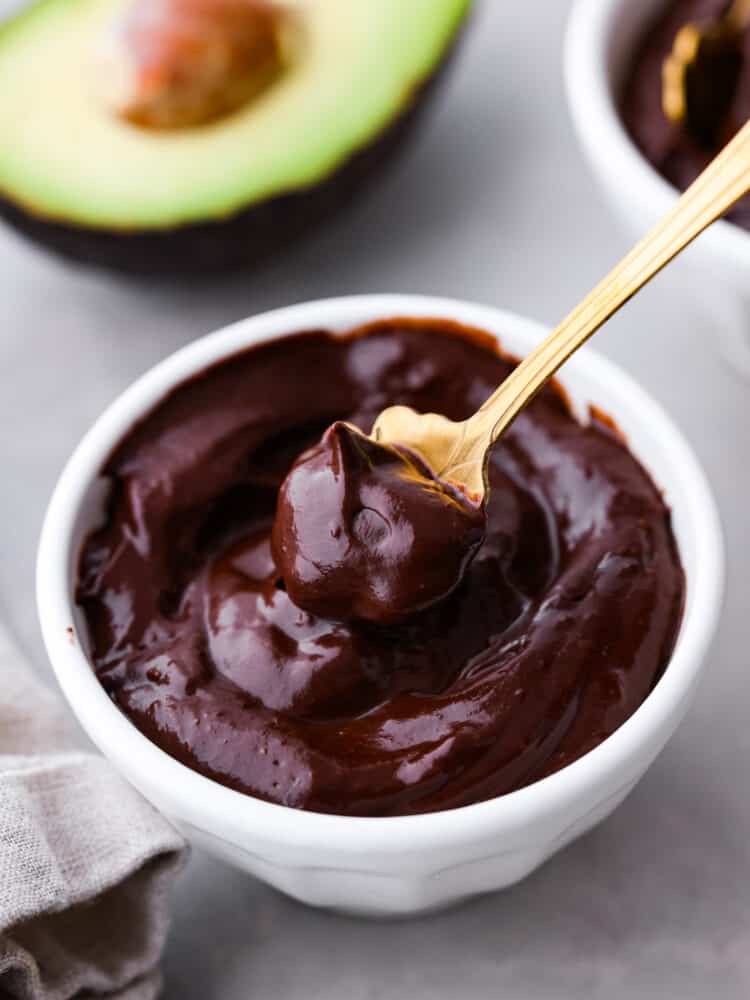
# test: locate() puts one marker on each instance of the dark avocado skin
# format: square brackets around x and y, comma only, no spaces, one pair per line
[253,235]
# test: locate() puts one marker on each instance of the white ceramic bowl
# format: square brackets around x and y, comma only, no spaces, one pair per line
[409,864]
[600,41]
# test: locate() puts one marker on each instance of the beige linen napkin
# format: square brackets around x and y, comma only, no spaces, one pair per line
[85,862]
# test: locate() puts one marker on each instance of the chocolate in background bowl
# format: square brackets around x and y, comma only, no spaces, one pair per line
[601,42]
[408,864]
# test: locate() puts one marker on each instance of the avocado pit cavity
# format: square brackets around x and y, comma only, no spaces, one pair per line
[171,64]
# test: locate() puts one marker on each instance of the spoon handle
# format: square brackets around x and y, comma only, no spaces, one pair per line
[722,183]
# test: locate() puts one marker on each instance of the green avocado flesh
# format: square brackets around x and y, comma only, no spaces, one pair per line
[66,157]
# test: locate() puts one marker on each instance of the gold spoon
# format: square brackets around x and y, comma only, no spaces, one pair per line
[699,76]
[458,451]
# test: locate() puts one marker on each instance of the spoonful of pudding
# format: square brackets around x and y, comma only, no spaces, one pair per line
[381,527]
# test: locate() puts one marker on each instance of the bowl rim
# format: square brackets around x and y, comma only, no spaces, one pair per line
[602,133]
[195,795]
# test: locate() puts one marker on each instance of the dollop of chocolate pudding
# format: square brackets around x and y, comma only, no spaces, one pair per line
[559,629]
[367,532]
[671,150]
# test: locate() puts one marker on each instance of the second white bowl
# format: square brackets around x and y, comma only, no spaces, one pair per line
[600,42]
[408,864]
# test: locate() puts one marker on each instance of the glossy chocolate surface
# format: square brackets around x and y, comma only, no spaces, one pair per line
[561,626]
[365,532]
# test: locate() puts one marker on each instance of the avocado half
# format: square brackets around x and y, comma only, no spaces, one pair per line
[93,187]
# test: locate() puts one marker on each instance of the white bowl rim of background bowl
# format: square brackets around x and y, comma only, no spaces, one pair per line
[195,796]
[593,105]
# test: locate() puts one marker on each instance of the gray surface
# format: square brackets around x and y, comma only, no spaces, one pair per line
[493,204]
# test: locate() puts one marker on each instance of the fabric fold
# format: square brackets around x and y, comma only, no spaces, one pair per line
[85,861]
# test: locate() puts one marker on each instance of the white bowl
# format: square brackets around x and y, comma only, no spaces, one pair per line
[409,864]
[599,46]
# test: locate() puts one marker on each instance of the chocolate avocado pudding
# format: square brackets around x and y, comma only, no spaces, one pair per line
[560,611]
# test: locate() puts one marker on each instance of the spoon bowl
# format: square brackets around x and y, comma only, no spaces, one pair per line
[438,440]
[701,73]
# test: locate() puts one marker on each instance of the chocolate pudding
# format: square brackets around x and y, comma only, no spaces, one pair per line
[561,610]
[364,531]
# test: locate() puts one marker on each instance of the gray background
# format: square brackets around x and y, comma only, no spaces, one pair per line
[493,203]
